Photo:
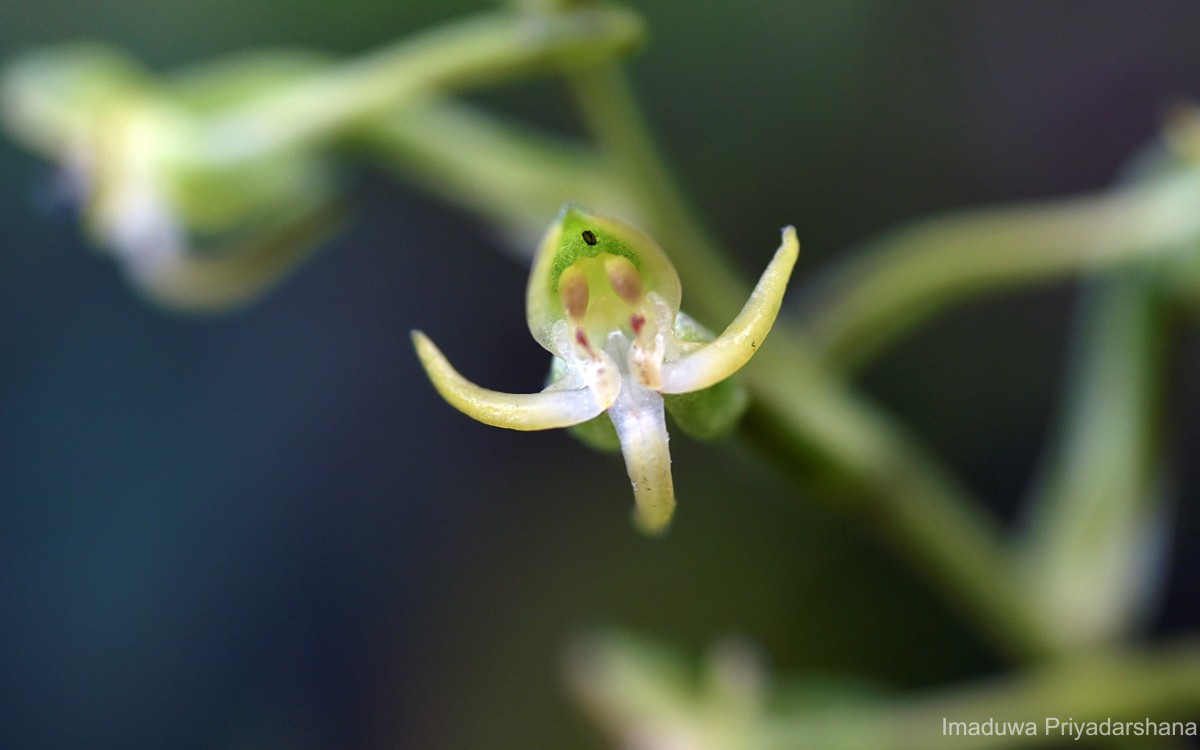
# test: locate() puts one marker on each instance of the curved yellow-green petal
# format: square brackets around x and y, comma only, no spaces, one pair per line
[641,427]
[514,411]
[726,354]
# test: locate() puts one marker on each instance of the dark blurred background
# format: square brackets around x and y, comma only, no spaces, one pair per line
[265,530]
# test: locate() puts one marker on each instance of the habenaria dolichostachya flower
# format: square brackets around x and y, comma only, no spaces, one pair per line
[604,299]
[196,220]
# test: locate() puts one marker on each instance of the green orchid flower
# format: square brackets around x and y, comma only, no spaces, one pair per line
[604,299]
[193,228]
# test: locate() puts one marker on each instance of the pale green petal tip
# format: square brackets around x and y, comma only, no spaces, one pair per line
[652,516]
[727,353]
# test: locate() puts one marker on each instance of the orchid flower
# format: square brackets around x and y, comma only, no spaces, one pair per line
[604,299]
[138,155]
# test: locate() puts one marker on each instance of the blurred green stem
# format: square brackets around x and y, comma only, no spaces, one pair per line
[805,417]
[1095,548]
[646,695]
[1131,686]
[508,174]
[905,277]
[487,48]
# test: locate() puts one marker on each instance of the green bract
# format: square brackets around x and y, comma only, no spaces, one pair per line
[604,299]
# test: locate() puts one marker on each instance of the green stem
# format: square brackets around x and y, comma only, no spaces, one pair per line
[811,412]
[898,281]
[638,690]
[505,173]
[1133,686]
[1094,533]
[488,48]
[807,418]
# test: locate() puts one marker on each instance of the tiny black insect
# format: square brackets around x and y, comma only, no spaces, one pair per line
[589,237]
